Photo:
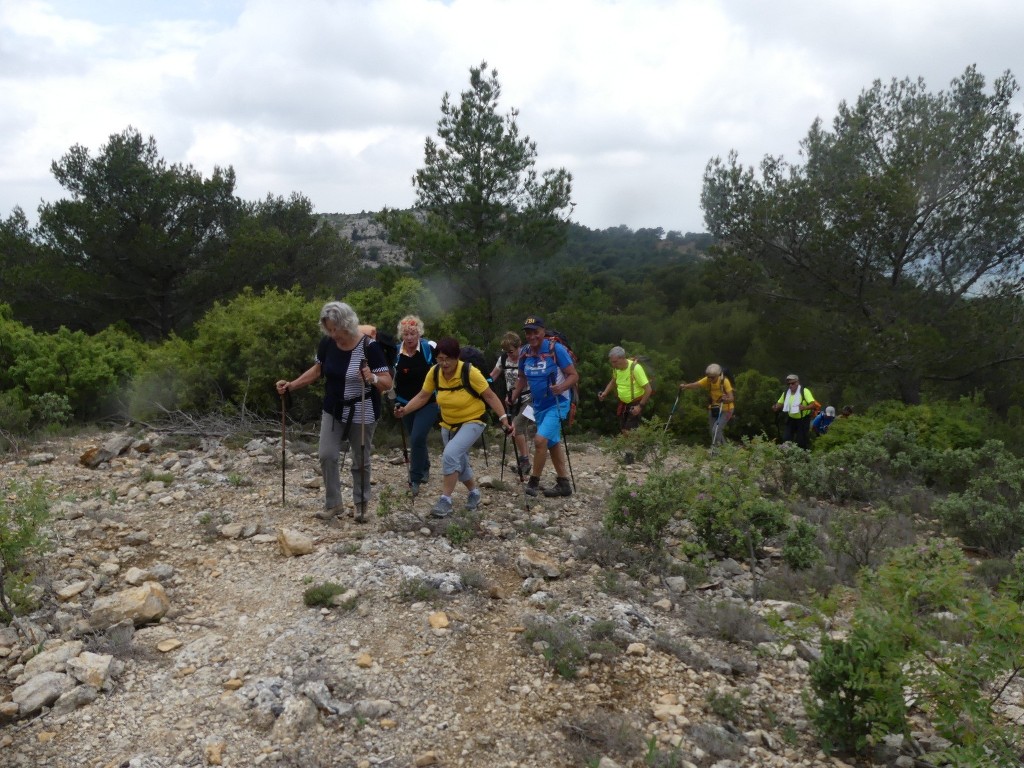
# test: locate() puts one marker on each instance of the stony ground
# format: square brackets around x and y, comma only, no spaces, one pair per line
[433,656]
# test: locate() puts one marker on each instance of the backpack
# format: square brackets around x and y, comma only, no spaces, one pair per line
[815,405]
[552,337]
[645,363]
[389,345]
[471,357]
[727,375]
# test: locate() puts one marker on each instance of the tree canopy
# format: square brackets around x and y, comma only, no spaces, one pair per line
[896,247]
[137,238]
[153,245]
[487,213]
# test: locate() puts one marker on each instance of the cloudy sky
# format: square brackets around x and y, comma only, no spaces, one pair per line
[334,98]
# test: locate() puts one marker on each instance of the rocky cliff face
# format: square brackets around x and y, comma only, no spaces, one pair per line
[173,629]
[368,236]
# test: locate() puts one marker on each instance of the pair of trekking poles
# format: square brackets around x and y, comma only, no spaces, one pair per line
[714,432]
[519,468]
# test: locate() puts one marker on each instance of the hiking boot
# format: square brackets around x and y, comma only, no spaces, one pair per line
[524,465]
[330,513]
[562,487]
[473,500]
[442,508]
[361,513]
[533,487]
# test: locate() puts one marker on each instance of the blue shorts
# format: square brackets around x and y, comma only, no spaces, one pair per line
[549,422]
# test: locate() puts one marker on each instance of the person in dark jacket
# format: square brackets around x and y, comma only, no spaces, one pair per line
[355,372]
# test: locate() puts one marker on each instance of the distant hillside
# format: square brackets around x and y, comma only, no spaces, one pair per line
[599,248]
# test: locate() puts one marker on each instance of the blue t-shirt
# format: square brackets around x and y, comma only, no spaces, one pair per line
[543,369]
[821,423]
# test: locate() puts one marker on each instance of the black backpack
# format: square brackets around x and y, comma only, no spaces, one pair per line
[471,357]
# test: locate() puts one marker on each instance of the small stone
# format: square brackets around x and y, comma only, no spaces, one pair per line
[427,758]
[72,591]
[294,543]
[531,562]
[364,661]
[214,753]
[233,685]
[166,646]
[636,649]
[135,576]
[438,620]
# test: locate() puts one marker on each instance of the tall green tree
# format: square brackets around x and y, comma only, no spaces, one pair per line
[894,252]
[484,211]
[138,240]
[281,242]
[23,275]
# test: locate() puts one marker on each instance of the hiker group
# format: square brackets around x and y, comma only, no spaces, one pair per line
[447,384]
[441,383]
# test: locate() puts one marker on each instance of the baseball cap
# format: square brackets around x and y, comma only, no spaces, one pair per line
[792,377]
[532,323]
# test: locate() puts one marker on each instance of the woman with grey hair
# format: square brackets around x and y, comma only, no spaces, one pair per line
[721,400]
[355,372]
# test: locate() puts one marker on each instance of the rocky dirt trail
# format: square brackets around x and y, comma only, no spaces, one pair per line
[430,658]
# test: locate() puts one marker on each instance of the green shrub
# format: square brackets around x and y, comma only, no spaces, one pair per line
[240,349]
[88,372]
[322,594]
[863,537]
[648,443]
[728,508]
[800,550]
[933,427]
[858,690]
[989,512]
[24,511]
[15,413]
[559,643]
[50,409]
[922,633]
[639,511]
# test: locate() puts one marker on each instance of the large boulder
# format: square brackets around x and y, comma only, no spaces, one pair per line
[143,604]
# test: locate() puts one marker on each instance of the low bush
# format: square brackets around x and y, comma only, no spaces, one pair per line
[728,508]
[640,511]
[24,512]
[322,594]
[800,550]
[989,513]
[922,635]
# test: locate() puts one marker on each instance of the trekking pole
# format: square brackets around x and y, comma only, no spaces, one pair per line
[504,450]
[568,458]
[284,410]
[715,429]
[405,445]
[363,457]
[673,411]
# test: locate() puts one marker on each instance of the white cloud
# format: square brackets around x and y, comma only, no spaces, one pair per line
[335,98]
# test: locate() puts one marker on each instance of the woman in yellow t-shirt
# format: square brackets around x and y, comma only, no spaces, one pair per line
[463,395]
[721,400]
